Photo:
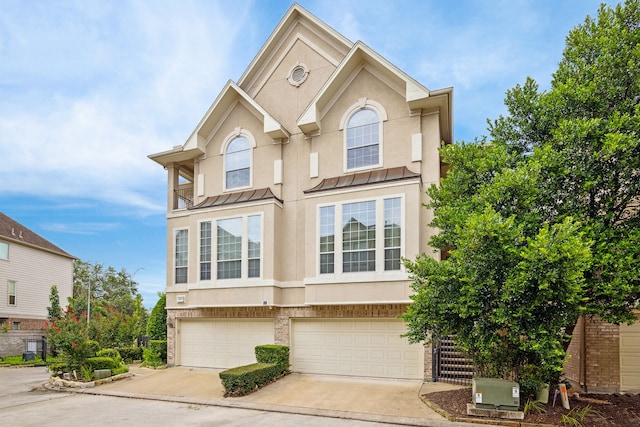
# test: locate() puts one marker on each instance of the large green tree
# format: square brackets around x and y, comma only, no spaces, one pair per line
[541,223]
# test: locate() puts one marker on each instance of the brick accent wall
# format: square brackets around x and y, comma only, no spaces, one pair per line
[601,358]
[282,317]
[573,361]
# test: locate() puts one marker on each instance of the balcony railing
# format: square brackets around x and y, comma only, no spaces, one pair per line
[185,196]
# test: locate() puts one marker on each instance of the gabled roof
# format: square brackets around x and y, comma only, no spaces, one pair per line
[273,45]
[196,144]
[13,231]
[416,95]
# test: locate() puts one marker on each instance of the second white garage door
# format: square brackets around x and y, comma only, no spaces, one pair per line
[367,348]
[222,343]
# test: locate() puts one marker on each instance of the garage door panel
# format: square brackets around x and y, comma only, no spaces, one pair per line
[371,348]
[630,357]
[222,343]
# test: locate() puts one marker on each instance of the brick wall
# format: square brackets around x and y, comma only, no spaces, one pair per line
[572,363]
[601,358]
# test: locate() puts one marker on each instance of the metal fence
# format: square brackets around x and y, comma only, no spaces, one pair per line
[450,365]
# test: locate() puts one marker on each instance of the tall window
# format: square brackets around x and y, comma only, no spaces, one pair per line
[363,139]
[12,292]
[392,233]
[359,237]
[239,247]
[327,239]
[205,250]
[237,163]
[254,245]
[230,248]
[4,250]
[182,255]
[370,236]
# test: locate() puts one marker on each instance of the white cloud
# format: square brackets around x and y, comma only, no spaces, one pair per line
[87,91]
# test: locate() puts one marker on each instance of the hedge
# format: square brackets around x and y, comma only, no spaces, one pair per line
[273,353]
[159,347]
[112,353]
[94,363]
[129,354]
[245,379]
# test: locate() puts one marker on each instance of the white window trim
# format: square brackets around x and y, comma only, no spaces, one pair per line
[15,293]
[223,150]
[379,274]
[175,240]
[244,258]
[363,103]
[5,244]
[211,261]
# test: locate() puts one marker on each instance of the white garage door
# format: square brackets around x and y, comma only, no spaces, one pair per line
[367,348]
[222,343]
[630,357]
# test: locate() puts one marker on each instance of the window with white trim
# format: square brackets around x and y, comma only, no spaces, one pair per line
[237,163]
[181,255]
[239,247]
[4,250]
[369,237]
[363,139]
[205,250]
[12,291]
[327,239]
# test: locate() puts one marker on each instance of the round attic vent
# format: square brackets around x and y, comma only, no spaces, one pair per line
[298,74]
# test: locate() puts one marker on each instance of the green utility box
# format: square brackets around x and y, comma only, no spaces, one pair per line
[493,393]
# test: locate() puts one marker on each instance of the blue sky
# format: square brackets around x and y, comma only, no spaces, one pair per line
[89,88]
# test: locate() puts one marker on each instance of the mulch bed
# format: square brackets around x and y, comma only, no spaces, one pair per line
[621,410]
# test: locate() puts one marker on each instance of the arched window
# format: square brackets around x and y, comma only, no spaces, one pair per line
[237,163]
[363,139]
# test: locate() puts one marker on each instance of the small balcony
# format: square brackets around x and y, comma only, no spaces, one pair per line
[183,196]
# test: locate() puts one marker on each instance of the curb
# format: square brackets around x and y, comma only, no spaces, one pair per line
[358,416]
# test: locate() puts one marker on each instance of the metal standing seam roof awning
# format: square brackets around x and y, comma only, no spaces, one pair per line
[364,178]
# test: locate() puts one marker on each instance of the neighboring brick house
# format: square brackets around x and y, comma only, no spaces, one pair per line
[292,203]
[604,358]
[29,266]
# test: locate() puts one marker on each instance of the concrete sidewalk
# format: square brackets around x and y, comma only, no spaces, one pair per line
[378,400]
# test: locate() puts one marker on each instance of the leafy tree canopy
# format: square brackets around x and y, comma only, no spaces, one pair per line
[541,224]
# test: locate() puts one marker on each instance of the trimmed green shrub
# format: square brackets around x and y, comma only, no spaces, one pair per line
[151,358]
[112,353]
[273,353]
[95,363]
[160,348]
[120,370]
[157,323]
[54,368]
[245,379]
[129,354]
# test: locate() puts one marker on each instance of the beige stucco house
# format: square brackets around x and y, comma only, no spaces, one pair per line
[292,203]
[29,266]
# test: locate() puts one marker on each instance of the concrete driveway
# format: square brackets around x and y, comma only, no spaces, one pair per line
[342,397]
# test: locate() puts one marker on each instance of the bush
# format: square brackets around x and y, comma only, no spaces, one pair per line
[245,379]
[95,363]
[120,370]
[54,368]
[160,348]
[129,354]
[112,353]
[157,323]
[151,358]
[273,353]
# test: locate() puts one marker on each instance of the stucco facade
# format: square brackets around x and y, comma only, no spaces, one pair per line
[297,195]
